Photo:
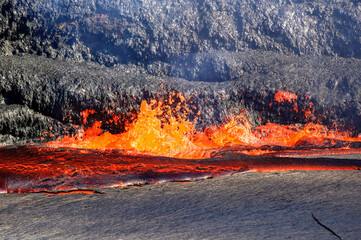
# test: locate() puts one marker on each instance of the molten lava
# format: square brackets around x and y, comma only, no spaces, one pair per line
[146,135]
[43,169]
[282,96]
[161,145]
[158,132]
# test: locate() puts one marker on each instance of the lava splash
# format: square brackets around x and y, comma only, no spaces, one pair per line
[162,145]
[159,130]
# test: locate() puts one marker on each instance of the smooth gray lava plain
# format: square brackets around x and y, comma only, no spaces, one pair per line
[249,205]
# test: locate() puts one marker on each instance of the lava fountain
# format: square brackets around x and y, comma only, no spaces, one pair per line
[162,145]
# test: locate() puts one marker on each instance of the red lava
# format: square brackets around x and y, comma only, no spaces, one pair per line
[43,169]
[162,129]
[162,145]
[87,192]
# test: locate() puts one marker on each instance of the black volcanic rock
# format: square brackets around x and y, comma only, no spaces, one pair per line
[19,124]
[113,31]
[59,57]
[59,91]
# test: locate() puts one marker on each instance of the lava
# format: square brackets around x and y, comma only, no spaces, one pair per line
[282,96]
[87,192]
[158,131]
[45,169]
[162,145]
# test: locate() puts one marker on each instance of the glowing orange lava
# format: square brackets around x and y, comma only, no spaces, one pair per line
[161,145]
[146,135]
[87,192]
[282,96]
[59,171]
[158,131]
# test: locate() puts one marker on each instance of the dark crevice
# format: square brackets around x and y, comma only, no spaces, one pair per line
[325,227]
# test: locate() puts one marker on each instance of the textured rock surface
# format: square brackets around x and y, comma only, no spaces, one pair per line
[145,31]
[20,124]
[61,90]
[243,206]
[222,55]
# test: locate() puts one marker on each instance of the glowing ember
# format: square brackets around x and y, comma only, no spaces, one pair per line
[282,96]
[88,192]
[158,131]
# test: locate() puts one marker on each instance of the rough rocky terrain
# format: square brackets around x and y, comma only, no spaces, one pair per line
[114,31]
[43,95]
[60,57]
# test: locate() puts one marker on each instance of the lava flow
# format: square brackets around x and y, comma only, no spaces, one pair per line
[158,132]
[43,169]
[160,145]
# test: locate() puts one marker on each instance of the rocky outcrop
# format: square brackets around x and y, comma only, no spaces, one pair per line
[38,90]
[113,31]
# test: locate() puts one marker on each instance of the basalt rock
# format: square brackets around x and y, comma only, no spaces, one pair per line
[59,57]
[112,31]
[19,124]
[44,95]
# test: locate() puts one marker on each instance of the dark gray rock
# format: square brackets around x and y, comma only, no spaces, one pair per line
[249,205]
[19,124]
[223,56]
[61,90]
[113,31]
